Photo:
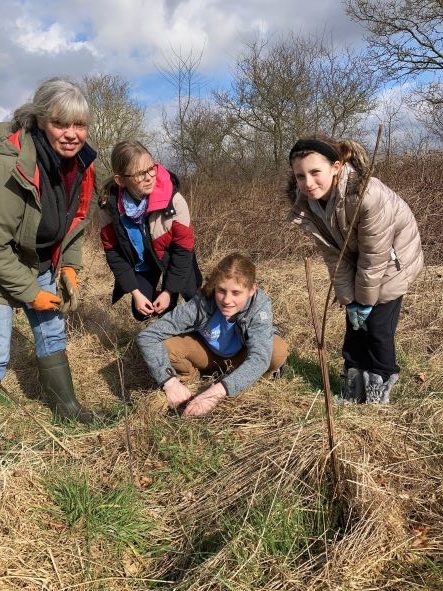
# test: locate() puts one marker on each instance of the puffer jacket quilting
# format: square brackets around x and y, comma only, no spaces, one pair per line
[384,254]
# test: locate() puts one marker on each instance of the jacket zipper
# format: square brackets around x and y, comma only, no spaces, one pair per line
[394,258]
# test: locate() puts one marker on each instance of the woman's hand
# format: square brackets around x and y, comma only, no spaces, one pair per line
[45,300]
[161,303]
[206,401]
[176,392]
[141,302]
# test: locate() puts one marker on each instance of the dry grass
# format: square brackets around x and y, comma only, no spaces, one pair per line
[238,500]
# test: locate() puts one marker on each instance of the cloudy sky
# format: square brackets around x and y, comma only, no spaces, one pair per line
[43,38]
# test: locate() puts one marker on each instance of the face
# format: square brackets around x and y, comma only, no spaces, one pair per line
[315,175]
[231,297]
[67,140]
[141,178]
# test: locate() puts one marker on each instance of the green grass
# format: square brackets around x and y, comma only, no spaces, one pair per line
[114,413]
[310,371]
[4,400]
[290,528]
[115,515]
[190,449]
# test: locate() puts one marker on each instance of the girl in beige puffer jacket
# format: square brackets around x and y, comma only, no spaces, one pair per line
[382,258]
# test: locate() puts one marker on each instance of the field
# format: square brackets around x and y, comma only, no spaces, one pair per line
[238,501]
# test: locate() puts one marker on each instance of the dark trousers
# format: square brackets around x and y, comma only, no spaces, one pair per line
[374,349]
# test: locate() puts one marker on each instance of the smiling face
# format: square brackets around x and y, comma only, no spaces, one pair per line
[315,175]
[66,139]
[231,297]
[140,178]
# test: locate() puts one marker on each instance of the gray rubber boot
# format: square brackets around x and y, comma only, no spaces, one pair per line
[353,387]
[58,390]
[378,391]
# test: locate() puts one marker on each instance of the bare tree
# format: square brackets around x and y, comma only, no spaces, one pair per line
[115,115]
[270,87]
[292,87]
[391,112]
[344,91]
[428,103]
[405,36]
[181,71]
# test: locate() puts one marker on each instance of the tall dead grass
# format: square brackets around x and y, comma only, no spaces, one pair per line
[238,500]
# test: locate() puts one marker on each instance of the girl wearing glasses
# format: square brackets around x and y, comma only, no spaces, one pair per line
[146,232]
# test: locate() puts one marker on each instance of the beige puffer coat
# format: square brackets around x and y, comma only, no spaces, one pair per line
[383,256]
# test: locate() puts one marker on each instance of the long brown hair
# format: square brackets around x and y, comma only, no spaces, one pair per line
[233,266]
[344,150]
[122,156]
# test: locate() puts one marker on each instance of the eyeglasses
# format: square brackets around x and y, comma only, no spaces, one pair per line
[78,125]
[141,174]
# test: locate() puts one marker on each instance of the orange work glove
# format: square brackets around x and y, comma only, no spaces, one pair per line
[45,300]
[71,274]
[68,290]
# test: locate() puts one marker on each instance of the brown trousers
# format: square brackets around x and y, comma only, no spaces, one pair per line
[189,355]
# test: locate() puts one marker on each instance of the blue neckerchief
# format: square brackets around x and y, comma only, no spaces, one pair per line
[132,220]
[135,211]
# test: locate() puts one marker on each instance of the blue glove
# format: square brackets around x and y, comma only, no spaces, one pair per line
[358,314]
[362,314]
[351,310]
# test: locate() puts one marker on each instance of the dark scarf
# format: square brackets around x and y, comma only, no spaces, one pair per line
[59,181]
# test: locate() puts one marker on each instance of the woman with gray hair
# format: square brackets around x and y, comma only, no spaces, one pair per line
[46,197]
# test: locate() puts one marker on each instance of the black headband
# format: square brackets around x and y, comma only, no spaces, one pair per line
[315,146]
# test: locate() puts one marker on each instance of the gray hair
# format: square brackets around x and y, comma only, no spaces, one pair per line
[57,97]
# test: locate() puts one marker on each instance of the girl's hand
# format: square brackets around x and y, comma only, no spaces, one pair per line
[176,392]
[142,304]
[161,303]
[206,401]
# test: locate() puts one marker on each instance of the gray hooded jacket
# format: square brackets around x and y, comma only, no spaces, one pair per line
[254,325]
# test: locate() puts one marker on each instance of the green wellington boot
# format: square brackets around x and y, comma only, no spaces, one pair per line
[58,390]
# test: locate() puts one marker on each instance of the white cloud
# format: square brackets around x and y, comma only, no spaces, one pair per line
[32,37]
[133,37]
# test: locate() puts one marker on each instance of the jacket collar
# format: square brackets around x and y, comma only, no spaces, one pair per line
[165,188]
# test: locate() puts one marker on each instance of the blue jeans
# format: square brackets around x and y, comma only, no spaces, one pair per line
[48,326]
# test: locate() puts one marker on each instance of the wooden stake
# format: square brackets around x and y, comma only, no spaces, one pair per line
[320,332]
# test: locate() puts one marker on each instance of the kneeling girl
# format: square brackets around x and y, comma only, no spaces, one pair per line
[226,328]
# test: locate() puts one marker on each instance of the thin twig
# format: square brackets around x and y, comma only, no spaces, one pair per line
[121,376]
[320,332]
[325,379]
[120,367]
[54,564]
[351,227]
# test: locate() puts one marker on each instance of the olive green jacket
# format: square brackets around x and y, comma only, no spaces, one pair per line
[20,215]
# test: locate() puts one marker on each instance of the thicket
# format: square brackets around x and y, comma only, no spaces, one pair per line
[252,215]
